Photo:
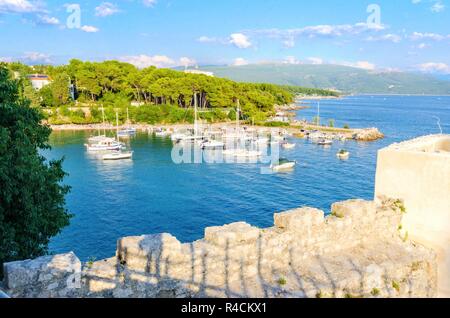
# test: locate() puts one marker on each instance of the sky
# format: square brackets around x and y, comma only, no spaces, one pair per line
[397,35]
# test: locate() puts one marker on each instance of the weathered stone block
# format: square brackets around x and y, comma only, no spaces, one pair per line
[357,210]
[299,220]
[232,234]
[149,253]
[44,272]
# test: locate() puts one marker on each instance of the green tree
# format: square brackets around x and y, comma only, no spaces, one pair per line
[60,89]
[32,198]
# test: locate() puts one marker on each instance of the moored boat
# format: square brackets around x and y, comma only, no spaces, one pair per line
[283,164]
[117,155]
[343,154]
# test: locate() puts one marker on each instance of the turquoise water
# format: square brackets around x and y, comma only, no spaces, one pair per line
[151,194]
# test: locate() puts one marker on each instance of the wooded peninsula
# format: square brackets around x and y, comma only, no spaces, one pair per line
[76,92]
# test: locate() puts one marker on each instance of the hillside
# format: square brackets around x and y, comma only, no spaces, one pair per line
[346,79]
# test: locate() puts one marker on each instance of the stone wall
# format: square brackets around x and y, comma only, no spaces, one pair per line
[418,172]
[355,252]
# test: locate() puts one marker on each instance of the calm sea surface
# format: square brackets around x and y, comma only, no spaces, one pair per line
[151,194]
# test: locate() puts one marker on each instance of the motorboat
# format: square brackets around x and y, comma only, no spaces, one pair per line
[343,154]
[288,146]
[324,142]
[161,132]
[127,132]
[283,165]
[117,155]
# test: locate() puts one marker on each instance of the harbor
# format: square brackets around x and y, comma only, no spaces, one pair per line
[223,193]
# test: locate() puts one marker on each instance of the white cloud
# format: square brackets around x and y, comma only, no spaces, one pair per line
[437,7]
[387,37]
[418,36]
[324,30]
[291,60]
[422,46]
[315,60]
[106,9]
[149,3]
[20,6]
[89,29]
[36,57]
[206,39]
[186,62]
[47,20]
[289,42]
[29,58]
[433,67]
[142,61]
[240,40]
[6,59]
[240,62]
[360,64]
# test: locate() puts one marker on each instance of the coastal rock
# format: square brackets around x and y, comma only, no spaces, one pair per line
[369,134]
[56,276]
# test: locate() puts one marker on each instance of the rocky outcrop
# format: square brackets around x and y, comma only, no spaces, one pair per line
[369,134]
[358,251]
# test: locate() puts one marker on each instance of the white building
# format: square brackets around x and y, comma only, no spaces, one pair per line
[38,81]
[211,74]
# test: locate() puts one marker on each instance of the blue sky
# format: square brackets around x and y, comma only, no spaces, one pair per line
[410,35]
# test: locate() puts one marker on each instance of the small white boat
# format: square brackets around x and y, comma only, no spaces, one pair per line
[261,141]
[118,155]
[288,146]
[105,144]
[283,165]
[343,154]
[127,132]
[324,142]
[161,133]
[97,139]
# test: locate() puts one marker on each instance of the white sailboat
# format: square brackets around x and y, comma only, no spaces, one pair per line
[118,155]
[129,131]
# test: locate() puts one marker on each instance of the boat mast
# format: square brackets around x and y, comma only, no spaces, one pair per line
[195,116]
[117,125]
[103,118]
[237,116]
[128,117]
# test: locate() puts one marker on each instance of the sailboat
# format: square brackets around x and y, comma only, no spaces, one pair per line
[129,131]
[240,152]
[99,138]
[118,155]
[196,136]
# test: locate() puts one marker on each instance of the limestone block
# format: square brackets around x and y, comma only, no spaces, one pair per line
[357,210]
[150,253]
[299,220]
[64,269]
[232,234]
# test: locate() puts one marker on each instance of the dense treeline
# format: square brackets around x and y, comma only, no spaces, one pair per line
[297,90]
[173,93]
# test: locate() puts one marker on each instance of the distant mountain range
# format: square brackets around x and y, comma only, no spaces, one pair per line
[349,80]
